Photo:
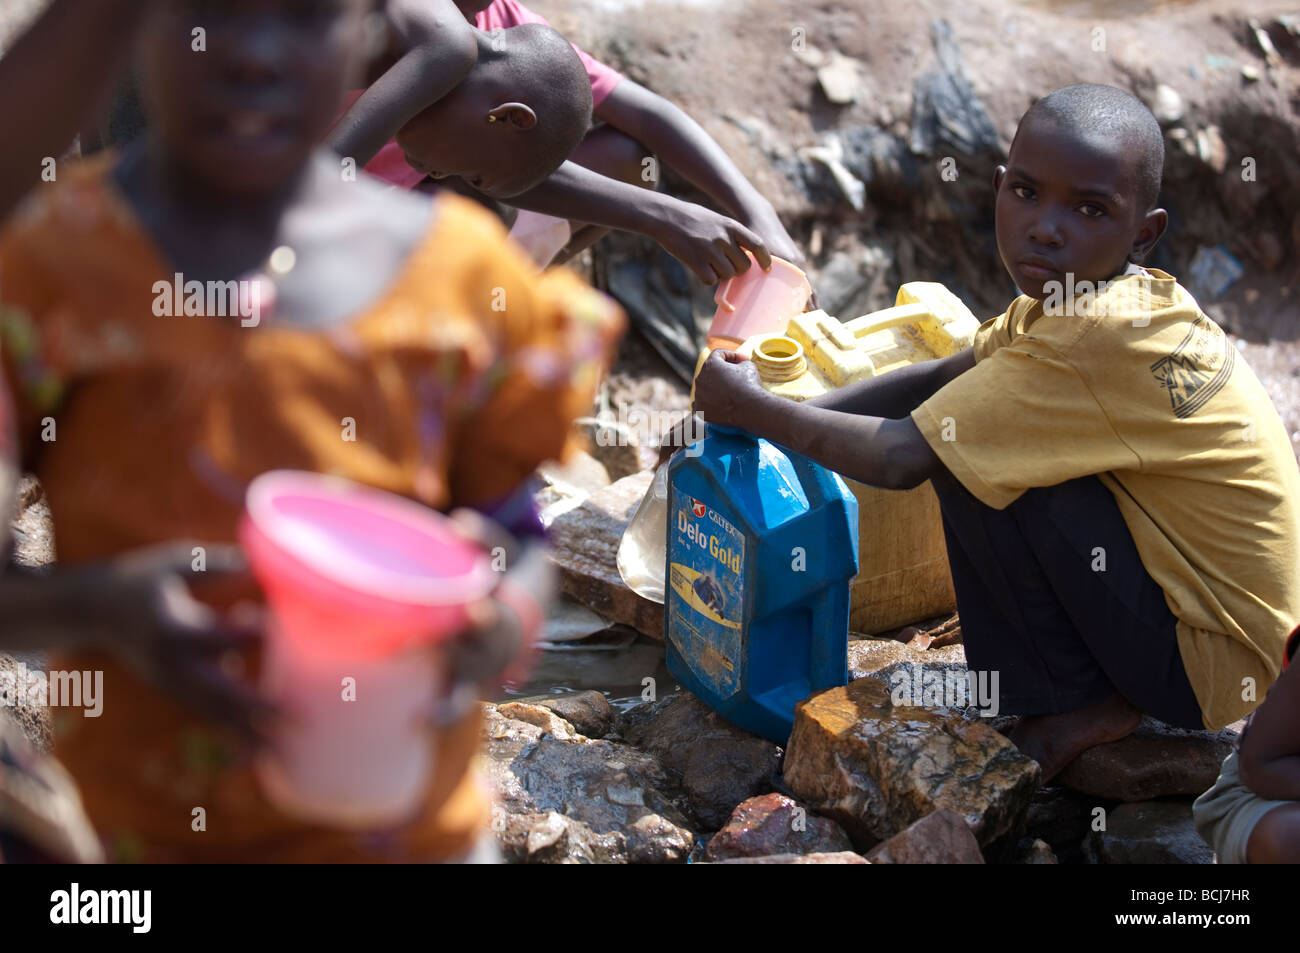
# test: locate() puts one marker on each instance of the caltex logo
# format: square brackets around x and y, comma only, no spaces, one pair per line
[698,508]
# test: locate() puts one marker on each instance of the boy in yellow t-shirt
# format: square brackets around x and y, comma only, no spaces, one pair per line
[1121,501]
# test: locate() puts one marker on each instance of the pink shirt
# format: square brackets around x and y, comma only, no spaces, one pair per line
[390,163]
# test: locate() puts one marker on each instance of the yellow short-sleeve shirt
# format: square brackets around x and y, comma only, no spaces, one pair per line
[1133,383]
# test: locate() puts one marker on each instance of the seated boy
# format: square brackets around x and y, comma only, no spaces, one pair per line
[605,183]
[1252,814]
[1119,496]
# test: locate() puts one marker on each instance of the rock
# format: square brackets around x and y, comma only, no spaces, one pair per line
[946,110]
[585,548]
[613,443]
[719,764]
[580,475]
[881,658]
[552,838]
[540,717]
[1265,42]
[929,635]
[840,78]
[1269,250]
[1152,832]
[876,768]
[1155,761]
[33,721]
[566,485]
[589,712]
[852,279]
[32,527]
[1211,148]
[568,799]
[1061,818]
[830,153]
[1250,73]
[775,824]
[838,857]
[567,621]
[1035,851]
[939,838]
[1166,105]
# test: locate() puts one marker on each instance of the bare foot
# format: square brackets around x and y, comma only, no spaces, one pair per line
[1056,740]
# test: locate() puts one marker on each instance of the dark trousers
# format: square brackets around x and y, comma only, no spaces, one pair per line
[1037,607]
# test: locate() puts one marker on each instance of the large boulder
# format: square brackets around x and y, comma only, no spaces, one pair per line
[718,764]
[876,767]
[566,798]
[776,824]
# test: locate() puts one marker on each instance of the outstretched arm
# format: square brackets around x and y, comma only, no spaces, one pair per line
[710,245]
[681,143]
[438,49]
[51,81]
[877,451]
[899,392]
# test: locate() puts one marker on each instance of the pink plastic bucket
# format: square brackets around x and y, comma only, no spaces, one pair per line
[362,586]
[758,302]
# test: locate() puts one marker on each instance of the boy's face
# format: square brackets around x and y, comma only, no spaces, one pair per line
[1069,205]
[454,137]
[242,104]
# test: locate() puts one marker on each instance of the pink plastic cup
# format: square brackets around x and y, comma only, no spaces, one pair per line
[758,302]
[363,587]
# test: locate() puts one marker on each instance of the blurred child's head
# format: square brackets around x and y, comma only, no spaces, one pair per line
[512,121]
[1077,195]
[471,7]
[240,92]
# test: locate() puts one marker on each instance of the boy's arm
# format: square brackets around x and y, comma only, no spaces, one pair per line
[51,79]
[708,244]
[440,48]
[1269,759]
[681,144]
[899,392]
[880,452]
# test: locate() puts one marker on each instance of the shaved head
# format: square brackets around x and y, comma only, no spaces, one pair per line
[1093,111]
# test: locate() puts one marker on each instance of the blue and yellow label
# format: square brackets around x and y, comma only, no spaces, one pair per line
[706,563]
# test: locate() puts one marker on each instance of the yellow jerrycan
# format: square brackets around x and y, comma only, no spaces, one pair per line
[903,564]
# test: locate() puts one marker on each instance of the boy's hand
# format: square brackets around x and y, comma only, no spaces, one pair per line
[727,390]
[710,245]
[144,612]
[682,434]
[767,226]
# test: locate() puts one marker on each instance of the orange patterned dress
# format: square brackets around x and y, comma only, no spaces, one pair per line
[159,423]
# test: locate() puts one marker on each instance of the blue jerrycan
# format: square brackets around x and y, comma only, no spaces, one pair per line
[762,545]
